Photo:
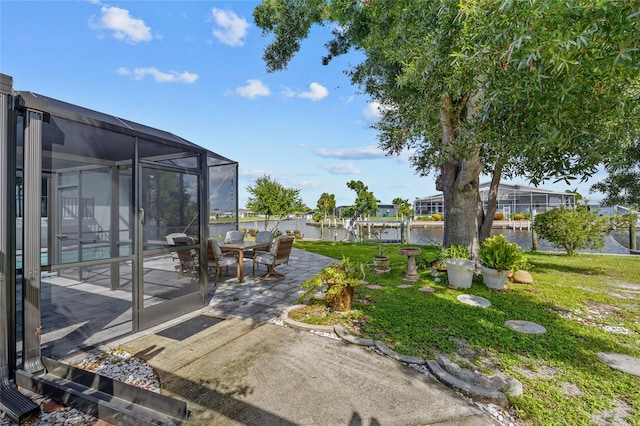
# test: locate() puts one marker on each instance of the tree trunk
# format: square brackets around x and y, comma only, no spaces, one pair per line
[351,231]
[459,181]
[486,220]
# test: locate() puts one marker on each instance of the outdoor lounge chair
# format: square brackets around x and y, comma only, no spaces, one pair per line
[278,255]
[187,258]
[216,259]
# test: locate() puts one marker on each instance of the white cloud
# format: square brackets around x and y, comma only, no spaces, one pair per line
[230,28]
[252,89]
[124,27]
[287,92]
[252,173]
[159,76]
[342,169]
[373,112]
[364,153]
[316,92]
[306,183]
[405,156]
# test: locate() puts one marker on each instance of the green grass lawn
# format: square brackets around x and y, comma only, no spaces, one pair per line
[588,304]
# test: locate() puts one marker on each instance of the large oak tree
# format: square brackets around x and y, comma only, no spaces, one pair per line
[542,89]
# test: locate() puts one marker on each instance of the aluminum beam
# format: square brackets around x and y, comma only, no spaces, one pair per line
[12,402]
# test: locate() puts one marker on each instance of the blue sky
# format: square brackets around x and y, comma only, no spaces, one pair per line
[195,68]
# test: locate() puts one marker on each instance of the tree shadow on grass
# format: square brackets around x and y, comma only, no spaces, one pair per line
[548,268]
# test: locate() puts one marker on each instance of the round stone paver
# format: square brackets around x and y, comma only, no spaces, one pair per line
[375,287]
[405,286]
[526,327]
[473,300]
[624,363]
[427,289]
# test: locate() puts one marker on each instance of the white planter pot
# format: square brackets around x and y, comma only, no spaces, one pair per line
[494,279]
[460,272]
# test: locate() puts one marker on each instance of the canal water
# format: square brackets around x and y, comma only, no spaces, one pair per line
[617,243]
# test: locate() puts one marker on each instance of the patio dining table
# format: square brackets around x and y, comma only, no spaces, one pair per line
[240,247]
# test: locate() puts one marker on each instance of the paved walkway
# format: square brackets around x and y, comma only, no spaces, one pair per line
[261,301]
[233,367]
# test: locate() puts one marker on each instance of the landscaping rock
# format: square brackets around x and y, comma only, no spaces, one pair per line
[342,333]
[478,393]
[492,384]
[395,355]
[522,277]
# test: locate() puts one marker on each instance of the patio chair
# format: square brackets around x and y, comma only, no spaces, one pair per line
[216,259]
[187,258]
[278,255]
[234,237]
[261,237]
[170,238]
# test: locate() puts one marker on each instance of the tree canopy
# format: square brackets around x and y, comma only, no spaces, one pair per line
[326,203]
[365,202]
[270,198]
[622,186]
[546,90]
[402,206]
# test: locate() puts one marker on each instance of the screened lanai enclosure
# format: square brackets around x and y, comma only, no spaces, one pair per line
[86,248]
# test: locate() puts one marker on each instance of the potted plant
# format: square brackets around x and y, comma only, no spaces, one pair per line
[340,281]
[459,267]
[498,258]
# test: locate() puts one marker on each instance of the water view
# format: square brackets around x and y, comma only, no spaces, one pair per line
[617,243]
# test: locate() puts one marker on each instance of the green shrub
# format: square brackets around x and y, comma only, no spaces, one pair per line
[572,229]
[436,216]
[518,216]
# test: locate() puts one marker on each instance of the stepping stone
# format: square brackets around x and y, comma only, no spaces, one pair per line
[405,286]
[624,363]
[473,300]
[375,287]
[427,289]
[526,327]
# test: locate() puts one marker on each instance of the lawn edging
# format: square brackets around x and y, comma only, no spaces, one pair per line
[473,385]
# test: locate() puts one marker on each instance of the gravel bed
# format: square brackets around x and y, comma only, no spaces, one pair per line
[115,364]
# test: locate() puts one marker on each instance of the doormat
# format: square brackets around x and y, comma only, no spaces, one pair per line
[189,327]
